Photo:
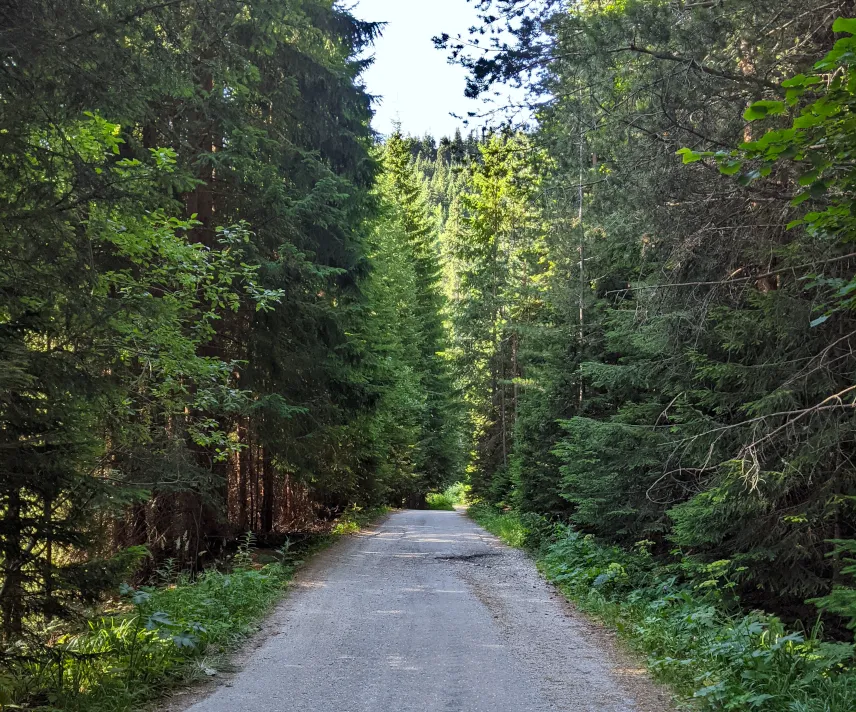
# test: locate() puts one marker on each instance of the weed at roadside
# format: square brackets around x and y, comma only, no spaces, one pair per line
[438,501]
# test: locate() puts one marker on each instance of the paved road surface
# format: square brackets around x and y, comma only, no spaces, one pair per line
[429,613]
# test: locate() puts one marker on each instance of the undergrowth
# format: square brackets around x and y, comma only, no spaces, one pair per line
[155,637]
[439,501]
[458,493]
[355,518]
[692,629]
[453,495]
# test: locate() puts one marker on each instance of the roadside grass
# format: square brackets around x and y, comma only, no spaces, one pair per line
[691,628]
[506,525]
[156,637]
[458,493]
[352,521]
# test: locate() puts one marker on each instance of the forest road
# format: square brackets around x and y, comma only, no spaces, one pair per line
[427,612]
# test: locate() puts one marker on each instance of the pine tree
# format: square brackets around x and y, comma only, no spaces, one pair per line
[437,454]
[494,250]
[675,347]
[184,191]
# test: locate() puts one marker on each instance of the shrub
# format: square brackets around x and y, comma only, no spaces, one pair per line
[156,636]
[458,493]
[435,500]
[507,526]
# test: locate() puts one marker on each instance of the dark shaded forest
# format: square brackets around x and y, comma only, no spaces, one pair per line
[623,308]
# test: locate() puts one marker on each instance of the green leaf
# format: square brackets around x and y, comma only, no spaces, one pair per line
[819,320]
[809,178]
[807,121]
[825,107]
[762,109]
[818,189]
[756,700]
[847,288]
[792,96]
[730,168]
[689,155]
[844,24]
[795,81]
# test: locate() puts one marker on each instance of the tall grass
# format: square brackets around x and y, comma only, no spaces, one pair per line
[692,630]
[508,526]
[355,518]
[458,493]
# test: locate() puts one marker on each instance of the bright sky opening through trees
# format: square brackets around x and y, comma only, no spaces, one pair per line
[415,84]
[241,303]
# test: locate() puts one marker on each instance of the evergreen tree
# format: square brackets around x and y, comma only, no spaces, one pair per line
[184,190]
[680,355]
[436,457]
[495,254]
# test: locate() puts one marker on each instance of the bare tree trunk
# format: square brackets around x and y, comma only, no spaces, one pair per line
[243,476]
[12,590]
[267,494]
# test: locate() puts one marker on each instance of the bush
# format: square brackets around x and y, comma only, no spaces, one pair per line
[524,530]
[157,636]
[453,495]
[355,518]
[435,500]
[507,526]
[458,493]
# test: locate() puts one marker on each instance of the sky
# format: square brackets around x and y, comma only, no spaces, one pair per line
[412,79]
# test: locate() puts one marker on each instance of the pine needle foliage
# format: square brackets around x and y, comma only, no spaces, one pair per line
[687,377]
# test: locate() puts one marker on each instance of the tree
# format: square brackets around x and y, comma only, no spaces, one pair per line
[495,255]
[678,353]
[184,190]
[414,234]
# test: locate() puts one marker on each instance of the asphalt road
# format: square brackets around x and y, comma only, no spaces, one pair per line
[429,613]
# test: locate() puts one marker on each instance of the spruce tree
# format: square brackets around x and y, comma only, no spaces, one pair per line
[437,453]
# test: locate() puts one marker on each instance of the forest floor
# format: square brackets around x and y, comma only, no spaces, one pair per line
[427,612]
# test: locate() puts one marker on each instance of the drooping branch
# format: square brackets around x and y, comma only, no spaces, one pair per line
[127,18]
[703,68]
[734,280]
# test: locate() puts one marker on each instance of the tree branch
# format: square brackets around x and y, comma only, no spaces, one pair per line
[705,69]
[128,18]
[732,281]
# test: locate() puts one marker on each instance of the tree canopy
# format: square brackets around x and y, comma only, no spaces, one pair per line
[626,306]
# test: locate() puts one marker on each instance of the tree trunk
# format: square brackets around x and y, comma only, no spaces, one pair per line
[12,591]
[267,495]
[243,476]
